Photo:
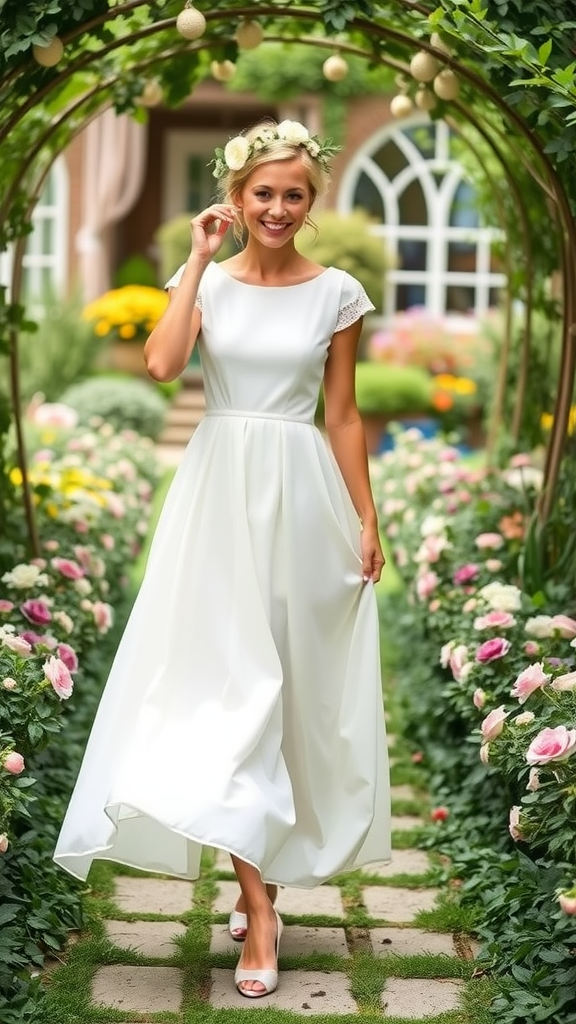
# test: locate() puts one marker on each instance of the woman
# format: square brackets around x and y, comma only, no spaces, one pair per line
[244,708]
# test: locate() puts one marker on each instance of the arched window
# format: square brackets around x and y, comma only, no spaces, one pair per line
[407,179]
[46,259]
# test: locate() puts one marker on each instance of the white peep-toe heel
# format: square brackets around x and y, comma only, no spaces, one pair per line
[238,925]
[268,978]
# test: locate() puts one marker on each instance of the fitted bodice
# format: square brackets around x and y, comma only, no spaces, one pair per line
[263,349]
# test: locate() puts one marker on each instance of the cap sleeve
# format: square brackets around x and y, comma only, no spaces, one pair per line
[354,303]
[175,281]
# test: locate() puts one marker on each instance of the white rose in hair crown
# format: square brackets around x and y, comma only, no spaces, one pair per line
[239,150]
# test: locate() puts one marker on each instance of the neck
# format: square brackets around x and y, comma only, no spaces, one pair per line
[264,262]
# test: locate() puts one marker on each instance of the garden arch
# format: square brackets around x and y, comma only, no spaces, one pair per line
[110,47]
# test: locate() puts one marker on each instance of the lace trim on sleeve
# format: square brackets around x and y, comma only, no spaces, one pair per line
[352,311]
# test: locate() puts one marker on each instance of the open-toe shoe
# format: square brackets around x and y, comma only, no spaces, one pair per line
[238,925]
[268,978]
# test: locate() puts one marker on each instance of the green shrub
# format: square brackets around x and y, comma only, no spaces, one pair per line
[135,270]
[392,390]
[346,241]
[122,402]
[174,240]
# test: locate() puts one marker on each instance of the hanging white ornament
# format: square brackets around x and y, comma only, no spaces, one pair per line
[424,99]
[222,70]
[446,84]
[401,106]
[335,68]
[191,23]
[152,94]
[48,56]
[424,66]
[249,34]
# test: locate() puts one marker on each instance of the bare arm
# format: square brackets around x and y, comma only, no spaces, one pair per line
[170,344]
[348,444]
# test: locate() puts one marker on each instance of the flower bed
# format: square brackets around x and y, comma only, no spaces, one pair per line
[92,490]
[488,682]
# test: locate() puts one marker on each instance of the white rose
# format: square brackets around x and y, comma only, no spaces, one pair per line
[83,586]
[502,597]
[293,132]
[313,148]
[236,153]
[22,576]
[433,525]
[540,626]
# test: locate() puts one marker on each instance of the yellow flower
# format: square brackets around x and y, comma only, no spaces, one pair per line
[127,310]
[51,509]
[547,421]
[101,328]
[16,477]
[127,331]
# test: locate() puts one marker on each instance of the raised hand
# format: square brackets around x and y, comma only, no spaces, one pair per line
[209,229]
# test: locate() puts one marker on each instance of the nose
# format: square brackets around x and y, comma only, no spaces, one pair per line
[276,208]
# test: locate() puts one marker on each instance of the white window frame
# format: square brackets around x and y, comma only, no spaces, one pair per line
[437,233]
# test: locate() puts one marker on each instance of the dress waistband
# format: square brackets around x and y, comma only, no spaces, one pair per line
[243,414]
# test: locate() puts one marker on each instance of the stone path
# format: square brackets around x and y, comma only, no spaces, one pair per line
[321,943]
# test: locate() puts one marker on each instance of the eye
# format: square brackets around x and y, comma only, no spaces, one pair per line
[295,197]
[262,194]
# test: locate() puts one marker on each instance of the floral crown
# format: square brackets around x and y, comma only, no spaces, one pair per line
[239,150]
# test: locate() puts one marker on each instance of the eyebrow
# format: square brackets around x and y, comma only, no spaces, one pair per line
[291,188]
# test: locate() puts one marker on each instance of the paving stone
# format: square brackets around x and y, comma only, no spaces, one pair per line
[304,992]
[222,861]
[413,998]
[138,989]
[410,942]
[404,862]
[297,940]
[405,822]
[324,900]
[150,938]
[402,793]
[153,895]
[396,904]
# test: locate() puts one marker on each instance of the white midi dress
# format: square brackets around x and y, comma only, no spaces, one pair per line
[244,706]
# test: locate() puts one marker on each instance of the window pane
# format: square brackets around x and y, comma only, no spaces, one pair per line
[424,138]
[462,257]
[368,197]
[412,254]
[408,295]
[413,205]
[201,185]
[464,212]
[459,298]
[391,160]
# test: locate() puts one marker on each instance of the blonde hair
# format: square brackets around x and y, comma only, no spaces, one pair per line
[276,149]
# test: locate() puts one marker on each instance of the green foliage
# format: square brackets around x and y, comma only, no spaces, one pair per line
[346,241]
[122,402]
[135,270]
[174,241]
[392,390]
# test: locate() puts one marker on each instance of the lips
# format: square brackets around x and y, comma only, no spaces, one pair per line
[274,227]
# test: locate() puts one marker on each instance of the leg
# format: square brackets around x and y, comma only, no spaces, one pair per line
[259,951]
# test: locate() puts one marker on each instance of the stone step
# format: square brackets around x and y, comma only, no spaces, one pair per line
[190,398]
[179,415]
[176,435]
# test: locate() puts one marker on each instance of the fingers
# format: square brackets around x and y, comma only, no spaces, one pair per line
[217,214]
[372,565]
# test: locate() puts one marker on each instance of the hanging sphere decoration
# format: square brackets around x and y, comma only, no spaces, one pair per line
[423,66]
[249,34]
[424,99]
[48,56]
[222,70]
[335,68]
[152,94]
[191,23]
[438,43]
[446,84]
[401,106]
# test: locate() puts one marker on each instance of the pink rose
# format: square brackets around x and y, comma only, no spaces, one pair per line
[71,570]
[426,584]
[59,676]
[107,541]
[103,616]
[514,826]
[13,763]
[531,648]
[4,844]
[495,620]
[469,605]
[18,645]
[493,649]
[67,654]
[551,745]
[532,678]
[533,783]
[434,605]
[37,611]
[458,660]
[479,698]
[520,460]
[466,573]
[9,683]
[567,901]
[564,626]
[493,724]
[564,683]
[485,753]
[489,541]
[6,607]
[493,564]
[445,652]
[51,545]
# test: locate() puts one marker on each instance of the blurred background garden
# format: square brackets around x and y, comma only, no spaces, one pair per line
[453,203]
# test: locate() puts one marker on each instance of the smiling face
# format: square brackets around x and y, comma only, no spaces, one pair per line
[275,200]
